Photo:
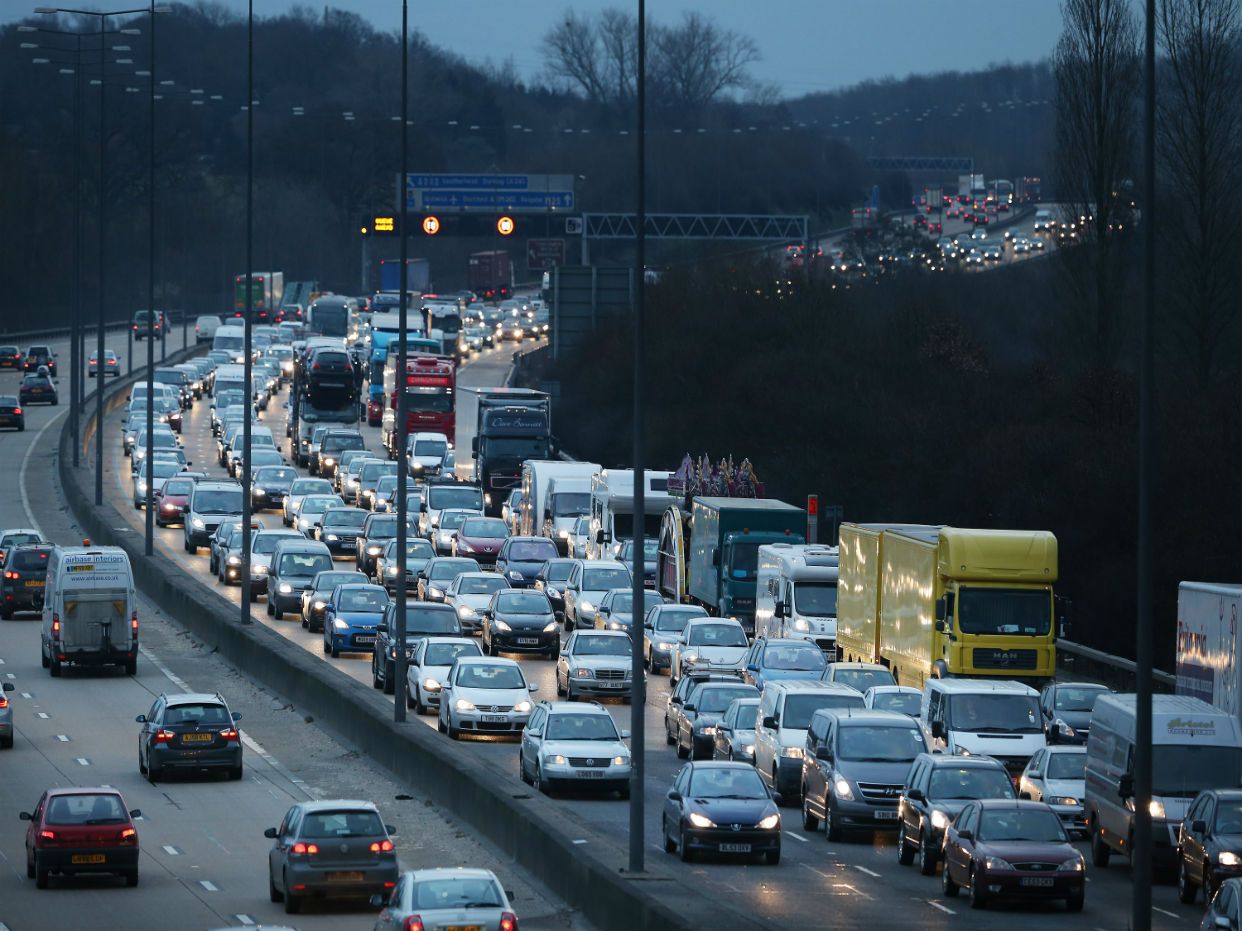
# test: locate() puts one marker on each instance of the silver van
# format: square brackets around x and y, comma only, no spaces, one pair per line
[785,711]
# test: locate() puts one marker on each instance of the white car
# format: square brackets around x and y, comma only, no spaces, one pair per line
[597,663]
[470,593]
[574,746]
[1056,775]
[162,471]
[445,898]
[903,698]
[576,547]
[205,328]
[426,453]
[716,643]
[485,696]
[429,667]
[300,488]
[858,676]
[588,583]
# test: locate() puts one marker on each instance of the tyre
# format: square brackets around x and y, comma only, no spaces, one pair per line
[947,885]
[6,743]
[978,898]
[390,673]
[272,613]
[1186,890]
[774,857]
[154,772]
[454,733]
[540,783]
[236,772]
[131,667]
[905,853]
[142,767]
[684,849]
[1100,851]
[440,725]
[928,856]
[376,681]
[833,830]
[30,870]
[682,752]
[670,845]
[560,692]
[293,904]
[522,769]
[43,659]
[624,792]
[326,648]
[131,878]
[6,613]
[809,821]
[40,878]
[1075,902]
[335,653]
[54,669]
[668,735]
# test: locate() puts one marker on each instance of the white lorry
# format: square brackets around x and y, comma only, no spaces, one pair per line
[538,475]
[90,617]
[612,509]
[796,594]
[1209,644]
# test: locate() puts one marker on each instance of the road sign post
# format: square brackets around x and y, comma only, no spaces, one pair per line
[812,518]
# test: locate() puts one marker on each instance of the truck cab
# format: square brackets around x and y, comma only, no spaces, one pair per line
[796,594]
[513,425]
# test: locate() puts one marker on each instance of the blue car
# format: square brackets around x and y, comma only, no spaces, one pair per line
[781,659]
[351,617]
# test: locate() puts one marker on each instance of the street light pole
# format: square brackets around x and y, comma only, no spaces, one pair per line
[403,501]
[248,362]
[148,538]
[103,201]
[75,354]
[638,690]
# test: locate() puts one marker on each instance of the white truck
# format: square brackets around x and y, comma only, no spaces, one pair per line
[1209,644]
[796,594]
[538,475]
[90,617]
[612,509]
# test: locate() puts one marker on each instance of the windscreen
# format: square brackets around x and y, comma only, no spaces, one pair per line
[536,550]
[716,699]
[870,744]
[595,580]
[452,520]
[570,503]
[746,717]
[815,599]
[1070,698]
[581,727]
[430,448]
[425,620]
[743,783]
[326,581]
[371,600]
[449,569]
[901,702]
[432,894]
[554,572]
[443,654]
[794,657]
[304,563]
[799,708]
[1183,771]
[328,824]
[602,646]
[1015,612]
[282,476]
[717,635]
[344,517]
[446,496]
[490,677]
[1021,824]
[30,559]
[1066,766]
[675,619]
[311,486]
[489,527]
[481,585]
[744,563]
[218,501]
[266,542]
[86,809]
[992,711]
[524,603]
[966,782]
[862,679]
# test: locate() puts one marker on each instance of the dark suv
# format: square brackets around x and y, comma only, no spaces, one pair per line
[421,620]
[149,325]
[25,576]
[189,731]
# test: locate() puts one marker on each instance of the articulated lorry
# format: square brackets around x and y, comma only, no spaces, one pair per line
[417,275]
[1209,644]
[951,602]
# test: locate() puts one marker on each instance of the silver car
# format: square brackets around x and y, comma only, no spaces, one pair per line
[597,663]
[446,898]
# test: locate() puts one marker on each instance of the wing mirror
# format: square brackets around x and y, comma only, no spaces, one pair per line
[141,719]
[778,610]
[533,687]
[673,796]
[1198,826]
[771,722]
[966,835]
[8,686]
[937,730]
[1125,786]
[377,901]
[270,832]
[135,812]
[916,795]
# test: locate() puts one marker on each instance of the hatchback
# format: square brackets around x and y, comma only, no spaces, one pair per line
[351,617]
[446,898]
[485,696]
[189,731]
[25,577]
[520,621]
[81,830]
[11,413]
[574,746]
[37,387]
[722,808]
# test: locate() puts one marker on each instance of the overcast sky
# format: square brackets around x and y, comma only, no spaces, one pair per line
[807,45]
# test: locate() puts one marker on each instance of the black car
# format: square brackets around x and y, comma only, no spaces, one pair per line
[11,357]
[422,619]
[39,388]
[377,530]
[702,710]
[937,789]
[1066,708]
[1209,845]
[25,576]
[338,528]
[518,621]
[11,413]
[722,808]
[315,597]
[520,559]
[189,731]
[324,460]
[269,486]
[550,578]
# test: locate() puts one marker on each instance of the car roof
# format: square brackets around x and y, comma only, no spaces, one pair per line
[193,698]
[868,717]
[722,764]
[591,632]
[450,872]
[807,685]
[1081,748]
[938,760]
[856,666]
[217,486]
[331,804]
[1012,804]
[967,686]
[489,660]
[603,564]
[83,790]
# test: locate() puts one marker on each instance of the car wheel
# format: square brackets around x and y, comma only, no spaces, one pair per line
[293,904]
[560,690]
[522,768]
[624,792]
[1075,902]
[1100,851]
[131,878]
[54,669]
[271,612]
[978,899]
[682,752]
[326,647]
[454,733]
[389,675]
[376,681]
[43,659]
[684,849]
[905,853]
[6,613]
[928,856]
[154,771]
[774,857]
[131,667]
[668,734]
[1210,885]
[809,821]
[440,725]
[1186,890]
[236,772]
[541,783]
[832,830]
[142,767]
[40,878]
[947,885]
[670,845]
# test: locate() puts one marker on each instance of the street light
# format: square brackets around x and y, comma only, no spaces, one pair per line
[248,362]
[403,507]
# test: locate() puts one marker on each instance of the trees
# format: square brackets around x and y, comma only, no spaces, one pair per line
[1199,137]
[1096,65]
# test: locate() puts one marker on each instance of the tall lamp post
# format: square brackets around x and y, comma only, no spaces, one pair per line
[248,362]
[403,502]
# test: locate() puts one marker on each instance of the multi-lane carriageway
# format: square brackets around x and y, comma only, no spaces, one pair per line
[853,884]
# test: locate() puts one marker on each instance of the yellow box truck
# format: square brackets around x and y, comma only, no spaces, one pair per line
[957,602]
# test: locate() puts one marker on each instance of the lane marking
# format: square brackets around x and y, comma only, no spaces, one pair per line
[244,919]
[579,840]
[42,714]
[21,473]
[853,889]
[934,904]
[1156,908]
[171,850]
[27,695]
[63,738]
[795,836]
[863,869]
[209,885]
[83,761]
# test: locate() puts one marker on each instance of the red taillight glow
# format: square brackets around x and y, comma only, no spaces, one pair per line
[412,923]
[17,410]
[508,922]
[10,574]
[4,701]
[47,835]
[129,835]
[299,847]
[133,622]
[55,626]
[383,846]
[163,736]
[229,733]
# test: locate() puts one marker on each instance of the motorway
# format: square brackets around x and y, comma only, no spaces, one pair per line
[203,850]
[858,882]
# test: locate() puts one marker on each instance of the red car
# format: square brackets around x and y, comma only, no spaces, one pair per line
[81,830]
[171,500]
[480,538]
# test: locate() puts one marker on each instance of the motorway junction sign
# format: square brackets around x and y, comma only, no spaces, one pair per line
[489,193]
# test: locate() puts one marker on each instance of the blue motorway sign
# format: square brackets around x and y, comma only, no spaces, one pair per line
[497,200]
[489,192]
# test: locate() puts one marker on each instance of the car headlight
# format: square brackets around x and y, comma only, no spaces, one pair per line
[616,625]
[549,627]
[583,673]
[523,707]
[329,461]
[498,624]
[997,863]
[663,645]
[585,605]
[707,730]
[563,534]
[1226,858]
[331,537]
[465,611]
[304,523]
[842,788]
[339,624]
[701,821]
[1073,865]
[1064,729]
[317,606]
[792,753]
[689,656]
[431,685]
[939,820]
[390,570]
[261,492]
[285,588]
[464,704]
[234,560]
[801,625]
[198,524]
[1064,800]
[373,550]
[464,547]
[771,821]
[416,466]
[515,575]
[746,749]
[435,592]
[1156,808]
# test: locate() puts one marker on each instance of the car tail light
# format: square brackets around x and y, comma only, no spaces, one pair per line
[17,410]
[10,574]
[229,733]
[508,922]
[47,836]
[4,701]
[163,736]
[55,626]
[129,836]
[412,923]
[133,622]
[381,847]
[301,848]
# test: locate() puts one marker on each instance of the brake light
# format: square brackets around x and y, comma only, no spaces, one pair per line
[56,625]
[129,836]
[163,736]
[4,701]
[229,733]
[383,846]
[17,410]
[412,923]
[133,622]
[301,848]
[508,922]
[10,574]
[47,835]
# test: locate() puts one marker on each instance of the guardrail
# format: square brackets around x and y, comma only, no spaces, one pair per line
[174,319]
[1116,672]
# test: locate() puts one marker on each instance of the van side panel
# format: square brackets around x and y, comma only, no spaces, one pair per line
[907,608]
[858,597]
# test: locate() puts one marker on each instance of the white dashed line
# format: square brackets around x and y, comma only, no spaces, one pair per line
[863,869]
[209,885]
[934,904]
[244,919]
[1162,911]
[171,850]
[795,836]
[27,695]
[83,761]
[42,714]
[63,738]
[579,840]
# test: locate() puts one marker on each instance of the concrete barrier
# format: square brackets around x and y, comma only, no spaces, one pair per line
[578,862]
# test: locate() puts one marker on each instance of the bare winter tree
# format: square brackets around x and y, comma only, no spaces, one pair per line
[1097,69]
[696,62]
[1200,131]
[594,58]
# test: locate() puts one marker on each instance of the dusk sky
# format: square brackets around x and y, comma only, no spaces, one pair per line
[806,46]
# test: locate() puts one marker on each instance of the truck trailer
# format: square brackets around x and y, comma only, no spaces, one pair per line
[1209,648]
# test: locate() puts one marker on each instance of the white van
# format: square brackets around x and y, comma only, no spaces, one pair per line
[205,328]
[232,339]
[538,476]
[982,718]
[612,509]
[1194,747]
[785,711]
[230,377]
[796,594]
[90,617]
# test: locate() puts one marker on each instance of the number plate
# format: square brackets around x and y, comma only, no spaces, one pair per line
[495,719]
[35,583]
[1044,882]
[197,738]
[590,774]
[352,877]
[735,848]
[610,685]
[365,638]
[886,814]
[85,858]
[463,928]
[528,640]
